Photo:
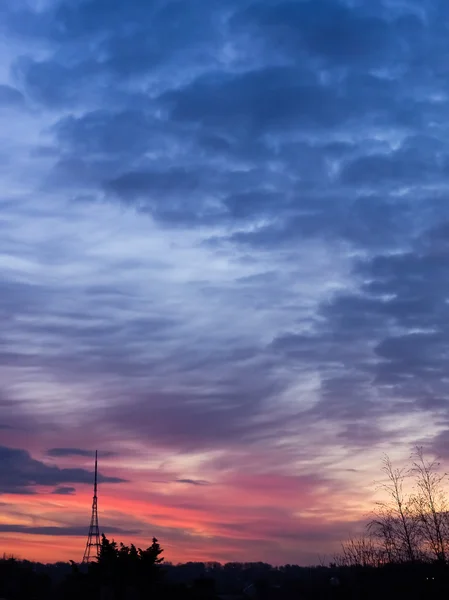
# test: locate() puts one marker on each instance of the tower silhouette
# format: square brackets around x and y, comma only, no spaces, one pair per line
[92,550]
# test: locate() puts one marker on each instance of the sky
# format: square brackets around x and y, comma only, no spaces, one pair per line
[224,263]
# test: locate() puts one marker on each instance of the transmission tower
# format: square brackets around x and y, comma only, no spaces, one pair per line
[92,550]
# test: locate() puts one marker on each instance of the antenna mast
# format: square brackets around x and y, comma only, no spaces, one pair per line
[92,550]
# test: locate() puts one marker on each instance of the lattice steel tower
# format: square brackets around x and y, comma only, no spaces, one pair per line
[92,550]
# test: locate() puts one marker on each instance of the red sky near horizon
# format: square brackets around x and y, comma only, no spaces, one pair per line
[241,516]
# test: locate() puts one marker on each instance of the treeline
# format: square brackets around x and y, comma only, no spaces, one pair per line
[120,572]
[126,578]
[411,524]
[129,573]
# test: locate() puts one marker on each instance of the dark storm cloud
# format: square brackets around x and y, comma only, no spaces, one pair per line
[21,473]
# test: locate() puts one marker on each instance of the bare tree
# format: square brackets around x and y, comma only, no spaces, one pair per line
[359,552]
[430,505]
[406,526]
[394,525]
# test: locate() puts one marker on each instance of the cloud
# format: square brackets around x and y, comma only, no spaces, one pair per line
[193,481]
[126,132]
[408,165]
[23,474]
[10,97]
[195,421]
[224,250]
[58,452]
[329,30]
[440,443]
[366,369]
[290,95]
[78,531]
[64,491]
[138,184]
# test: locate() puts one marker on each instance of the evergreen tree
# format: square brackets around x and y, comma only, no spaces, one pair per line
[122,567]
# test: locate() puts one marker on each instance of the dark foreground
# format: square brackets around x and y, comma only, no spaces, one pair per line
[29,581]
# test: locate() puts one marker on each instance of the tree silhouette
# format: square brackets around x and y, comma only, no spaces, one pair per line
[431,506]
[409,526]
[123,567]
[394,524]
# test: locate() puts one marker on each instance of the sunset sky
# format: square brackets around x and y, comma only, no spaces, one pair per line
[224,263]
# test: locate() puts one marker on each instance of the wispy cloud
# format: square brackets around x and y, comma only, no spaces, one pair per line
[61,452]
[193,481]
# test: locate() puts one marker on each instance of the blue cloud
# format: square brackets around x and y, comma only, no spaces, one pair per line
[21,473]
